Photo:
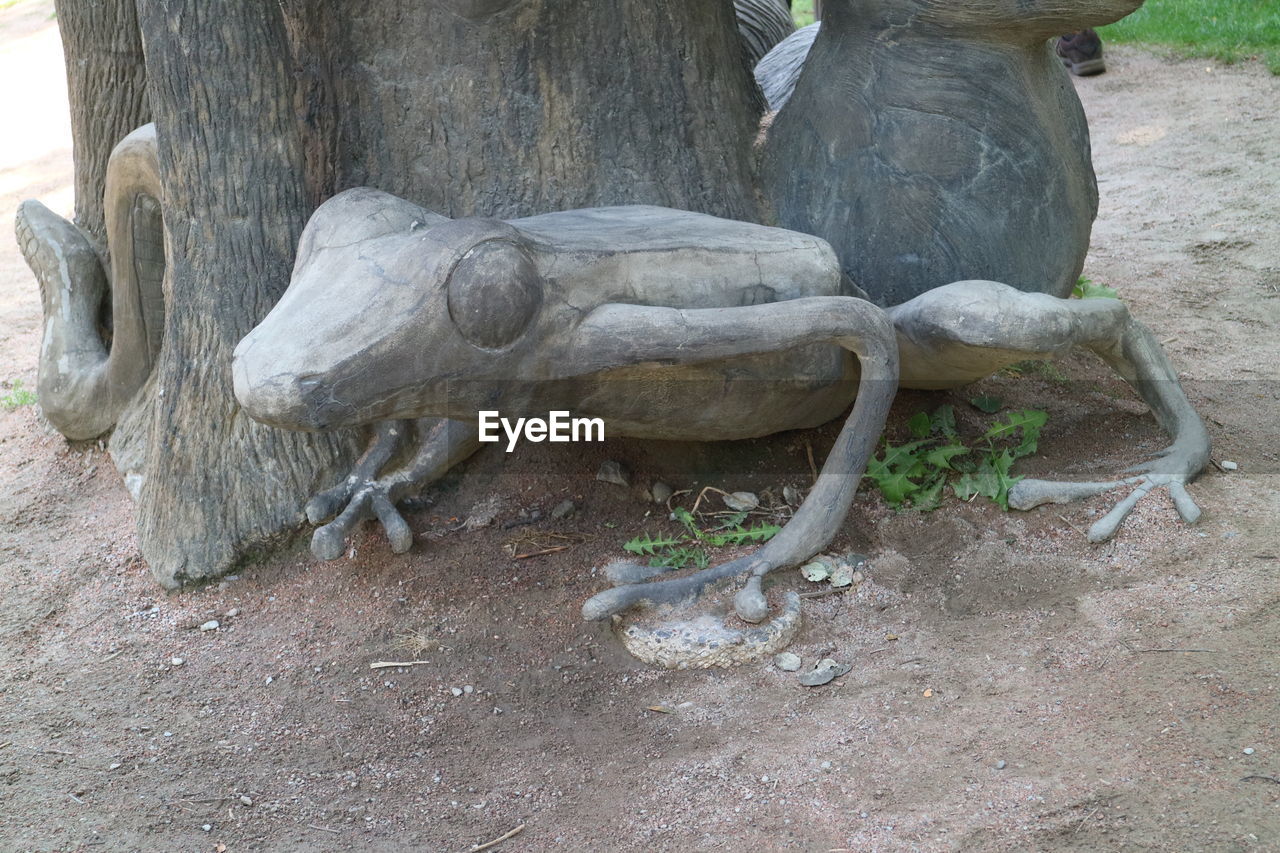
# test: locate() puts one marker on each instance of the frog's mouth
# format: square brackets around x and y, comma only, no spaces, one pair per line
[275,397]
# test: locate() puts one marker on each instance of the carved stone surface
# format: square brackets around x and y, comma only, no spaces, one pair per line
[665,323]
[84,383]
[932,141]
[762,24]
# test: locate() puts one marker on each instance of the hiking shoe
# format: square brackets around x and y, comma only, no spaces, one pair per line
[1082,53]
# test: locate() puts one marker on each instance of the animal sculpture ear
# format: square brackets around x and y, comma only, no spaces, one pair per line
[494,292]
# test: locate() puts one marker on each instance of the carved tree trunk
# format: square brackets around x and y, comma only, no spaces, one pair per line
[264,110]
[107,83]
[546,105]
[220,486]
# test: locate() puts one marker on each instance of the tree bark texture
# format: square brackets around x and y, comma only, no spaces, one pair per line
[546,105]
[265,110]
[220,486]
[107,88]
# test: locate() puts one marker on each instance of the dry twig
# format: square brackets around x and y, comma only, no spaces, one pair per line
[501,838]
[539,544]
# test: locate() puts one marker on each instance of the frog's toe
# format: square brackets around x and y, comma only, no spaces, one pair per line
[1030,493]
[673,591]
[1183,503]
[327,543]
[621,572]
[326,505]
[397,529]
[750,603]
[1027,494]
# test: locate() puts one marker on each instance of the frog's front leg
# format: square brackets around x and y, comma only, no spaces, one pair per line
[966,330]
[617,335]
[439,445]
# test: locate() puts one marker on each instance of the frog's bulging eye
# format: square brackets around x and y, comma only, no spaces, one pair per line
[494,291]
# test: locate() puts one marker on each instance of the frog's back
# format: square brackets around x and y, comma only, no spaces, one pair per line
[674,258]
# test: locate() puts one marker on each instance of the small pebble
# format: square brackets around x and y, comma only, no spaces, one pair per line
[468,689]
[824,672]
[741,501]
[233,612]
[115,765]
[613,472]
[176,661]
[456,691]
[1000,765]
[661,492]
[787,662]
[826,765]
[564,509]
[1248,750]
[1228,466]
[211,625]
[247,800]
[207,827]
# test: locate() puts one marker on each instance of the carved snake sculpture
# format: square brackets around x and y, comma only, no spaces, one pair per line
[93,362]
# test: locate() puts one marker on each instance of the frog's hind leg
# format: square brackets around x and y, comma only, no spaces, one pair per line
[622,334]
[966,330]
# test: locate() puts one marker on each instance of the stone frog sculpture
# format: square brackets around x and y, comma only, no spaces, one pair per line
[664,323]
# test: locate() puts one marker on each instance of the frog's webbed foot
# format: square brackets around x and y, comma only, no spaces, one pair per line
[963,331]
[1028,494]
[365,493]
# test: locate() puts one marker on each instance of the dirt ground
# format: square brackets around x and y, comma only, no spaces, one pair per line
[1013,687]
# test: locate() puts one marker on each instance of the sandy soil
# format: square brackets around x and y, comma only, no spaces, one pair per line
[1120,685]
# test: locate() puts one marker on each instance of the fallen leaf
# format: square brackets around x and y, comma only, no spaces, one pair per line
[990,405]
[815,571]
[928,692]
[891,637]
[660,709]
[845,575]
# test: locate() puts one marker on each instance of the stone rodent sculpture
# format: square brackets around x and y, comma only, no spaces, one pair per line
[762,24]
[931,141]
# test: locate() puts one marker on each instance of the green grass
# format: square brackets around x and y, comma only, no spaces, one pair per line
[17,396]
[802,11]
[1225,30]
